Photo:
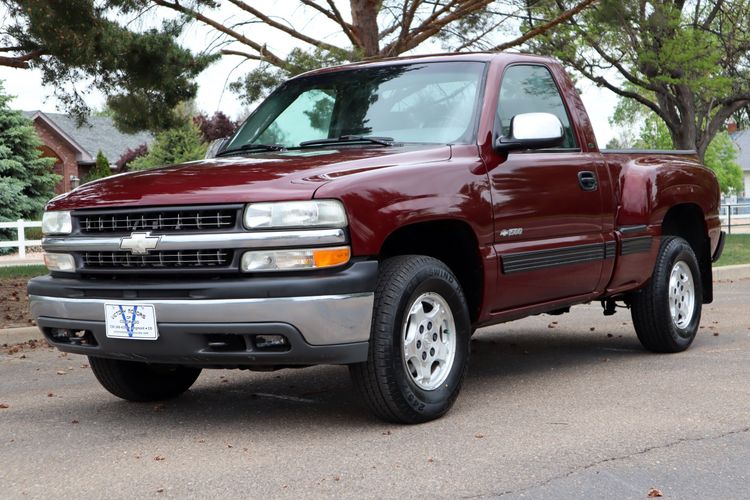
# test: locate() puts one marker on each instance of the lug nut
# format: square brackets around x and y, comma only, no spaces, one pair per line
[419,344]
[424,356]
[434,337]
[432,351]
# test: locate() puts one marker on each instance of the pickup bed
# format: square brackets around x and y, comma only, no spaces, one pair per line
[376,215]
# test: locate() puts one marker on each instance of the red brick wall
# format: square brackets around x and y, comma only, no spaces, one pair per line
[65,156]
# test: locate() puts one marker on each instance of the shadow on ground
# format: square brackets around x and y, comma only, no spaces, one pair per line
[324,396]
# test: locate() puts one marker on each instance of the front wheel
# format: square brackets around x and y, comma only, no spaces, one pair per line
[142,382]
[667,310]
[419,344]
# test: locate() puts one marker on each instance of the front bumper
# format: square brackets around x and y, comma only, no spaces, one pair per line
[215,323]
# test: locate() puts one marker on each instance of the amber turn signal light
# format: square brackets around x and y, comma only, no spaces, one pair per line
[329,257]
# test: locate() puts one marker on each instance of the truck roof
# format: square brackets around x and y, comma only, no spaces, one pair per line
[440,57]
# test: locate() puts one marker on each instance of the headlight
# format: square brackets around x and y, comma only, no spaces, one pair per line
[57,223]
[314,213]
[291,260]
[62,262]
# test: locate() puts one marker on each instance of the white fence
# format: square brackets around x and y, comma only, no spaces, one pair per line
[21,243]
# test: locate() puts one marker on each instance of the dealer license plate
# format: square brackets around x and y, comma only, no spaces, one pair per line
[131,321]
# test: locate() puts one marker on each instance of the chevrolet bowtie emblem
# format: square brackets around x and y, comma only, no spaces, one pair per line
[139,243]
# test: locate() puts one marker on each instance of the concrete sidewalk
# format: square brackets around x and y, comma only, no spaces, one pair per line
[13,336]
[738,272]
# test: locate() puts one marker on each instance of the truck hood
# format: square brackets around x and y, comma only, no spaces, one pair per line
[288,175]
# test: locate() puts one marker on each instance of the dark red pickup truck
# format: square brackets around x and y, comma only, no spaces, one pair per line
[375,215]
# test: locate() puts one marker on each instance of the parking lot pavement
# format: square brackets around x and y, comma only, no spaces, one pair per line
[554,406]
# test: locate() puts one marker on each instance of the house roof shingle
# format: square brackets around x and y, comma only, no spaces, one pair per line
[98,134]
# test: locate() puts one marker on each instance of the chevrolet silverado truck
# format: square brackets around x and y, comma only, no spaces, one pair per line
[375,215]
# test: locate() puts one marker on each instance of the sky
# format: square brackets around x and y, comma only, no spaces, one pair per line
[214,94]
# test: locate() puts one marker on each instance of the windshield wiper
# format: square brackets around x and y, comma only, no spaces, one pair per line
[245,148]
[383,141]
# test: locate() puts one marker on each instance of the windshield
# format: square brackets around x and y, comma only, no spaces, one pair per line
[422,103]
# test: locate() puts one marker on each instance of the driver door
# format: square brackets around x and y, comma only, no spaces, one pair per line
[548,221]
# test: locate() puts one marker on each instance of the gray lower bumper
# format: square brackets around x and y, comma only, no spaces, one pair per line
[321,320]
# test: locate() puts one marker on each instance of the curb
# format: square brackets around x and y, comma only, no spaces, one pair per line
[22,263]
[13,336]
[738,272]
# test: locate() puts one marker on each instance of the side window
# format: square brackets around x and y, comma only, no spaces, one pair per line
[288,129]
[531,89]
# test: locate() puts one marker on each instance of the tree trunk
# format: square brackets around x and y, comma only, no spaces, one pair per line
[365,25]
[685,137]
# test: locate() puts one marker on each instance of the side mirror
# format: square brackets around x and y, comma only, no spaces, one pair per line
[216,147]
[532,131]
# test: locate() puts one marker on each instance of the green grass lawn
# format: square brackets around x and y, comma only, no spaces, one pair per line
[22,271]
[736,250]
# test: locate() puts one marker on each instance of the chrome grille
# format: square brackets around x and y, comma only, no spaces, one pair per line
[174,220]
[183,259]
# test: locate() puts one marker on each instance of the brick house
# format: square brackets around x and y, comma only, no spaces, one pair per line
[75,148]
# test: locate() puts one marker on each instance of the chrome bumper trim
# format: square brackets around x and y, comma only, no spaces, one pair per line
[322,320]
[206,241]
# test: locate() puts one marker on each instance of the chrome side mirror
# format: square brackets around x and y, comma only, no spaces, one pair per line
[532,131]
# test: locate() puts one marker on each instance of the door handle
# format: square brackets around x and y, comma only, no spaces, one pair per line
[587,180]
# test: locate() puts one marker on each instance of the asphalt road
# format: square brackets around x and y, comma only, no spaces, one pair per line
[567,410]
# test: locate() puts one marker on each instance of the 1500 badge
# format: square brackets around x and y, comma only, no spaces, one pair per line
[513,231]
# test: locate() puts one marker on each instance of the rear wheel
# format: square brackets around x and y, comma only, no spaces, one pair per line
[141,382]
[667,310]
[419,344]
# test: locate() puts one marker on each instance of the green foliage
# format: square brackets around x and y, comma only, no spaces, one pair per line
[144,74]
[719,157]
[172,146]
[100,170]
[259,82]
[736,250]
[23,272]
[687,61]
[654,135]
[26,180]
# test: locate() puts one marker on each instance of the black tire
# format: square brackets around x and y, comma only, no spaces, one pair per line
[143,382]
[654,323]
[384,380]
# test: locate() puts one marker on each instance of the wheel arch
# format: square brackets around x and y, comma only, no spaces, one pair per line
[688,221]
[451,241]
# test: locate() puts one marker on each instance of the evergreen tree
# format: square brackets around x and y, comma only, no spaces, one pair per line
[101,169]
[26,179]
[172,146]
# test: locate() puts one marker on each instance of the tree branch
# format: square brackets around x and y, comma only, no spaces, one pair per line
[602,82]
[712,15]
[264,53]
[21,62]
[334,15]
[719,119]
[433,24]
[229,52]
[546,26]
[286,29]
